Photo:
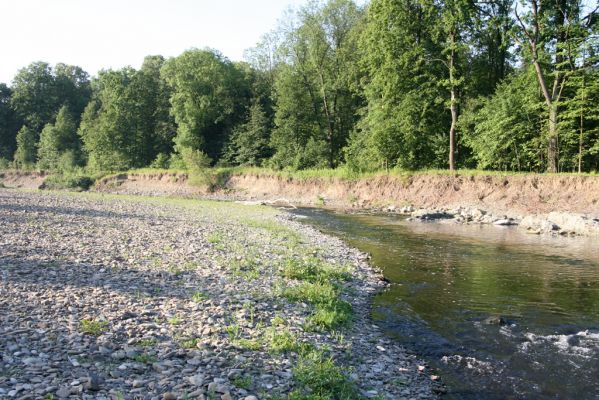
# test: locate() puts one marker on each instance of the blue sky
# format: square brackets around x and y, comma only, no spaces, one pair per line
[96,34]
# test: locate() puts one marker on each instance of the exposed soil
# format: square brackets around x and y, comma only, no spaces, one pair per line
[530,194]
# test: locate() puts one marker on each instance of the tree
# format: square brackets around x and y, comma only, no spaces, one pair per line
[320,55]
[25,155]
[403,120]
[455,22]
[59,145]
[109,126]
[9,124]
[250,142]
[502,129]
[209,97]
[548,32]
[34,97]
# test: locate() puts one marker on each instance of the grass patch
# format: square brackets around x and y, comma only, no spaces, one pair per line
[147,343]
[144,358]
[284,341]
[248,344]
[330,312]
[93,327]
[215,238]
[314,270]
[244,382]
[174,320]
[318,378]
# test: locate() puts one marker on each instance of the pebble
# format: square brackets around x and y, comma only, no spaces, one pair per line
[101,297]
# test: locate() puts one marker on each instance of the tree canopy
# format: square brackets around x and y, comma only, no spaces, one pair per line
[501,85]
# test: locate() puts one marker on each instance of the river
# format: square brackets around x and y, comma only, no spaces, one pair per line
[498,313]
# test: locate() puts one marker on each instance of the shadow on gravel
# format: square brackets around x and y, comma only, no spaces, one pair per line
[128,281]
[39,209]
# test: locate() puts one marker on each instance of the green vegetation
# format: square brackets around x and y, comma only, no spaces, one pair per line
[337,89]
[319,286]
[319,378]
[93,327]
[145,358]
[198,296]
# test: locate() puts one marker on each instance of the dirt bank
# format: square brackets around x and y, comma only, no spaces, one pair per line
[22,180]
[527,194]
[495,199]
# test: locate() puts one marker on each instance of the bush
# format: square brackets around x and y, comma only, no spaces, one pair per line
[68,181]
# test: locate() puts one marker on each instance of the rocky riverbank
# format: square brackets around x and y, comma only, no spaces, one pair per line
[554,223]
[108,297]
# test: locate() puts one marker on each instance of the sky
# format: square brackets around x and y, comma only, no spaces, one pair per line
[101,34]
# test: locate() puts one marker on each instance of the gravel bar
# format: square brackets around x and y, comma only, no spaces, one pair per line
[124,297]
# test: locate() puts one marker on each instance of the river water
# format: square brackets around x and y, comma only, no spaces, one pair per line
[448,280]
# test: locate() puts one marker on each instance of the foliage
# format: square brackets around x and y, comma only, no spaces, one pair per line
[503,130]
[9,124]
[59,146]
[93,327]
[25,156]
[207,100]
[319,378]
[336,90]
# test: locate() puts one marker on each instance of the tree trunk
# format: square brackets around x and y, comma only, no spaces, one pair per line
[552,147]
[328,116]
[453,104]
[581,136]
[452,129]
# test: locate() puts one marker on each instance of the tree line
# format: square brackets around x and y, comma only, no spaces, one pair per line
[412,84]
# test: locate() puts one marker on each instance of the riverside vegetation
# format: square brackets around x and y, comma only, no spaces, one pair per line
[106,296]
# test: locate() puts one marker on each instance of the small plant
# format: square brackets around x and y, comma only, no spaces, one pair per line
[320,201]
[243,382]
[248,344]
[215,238]
[277,321]
[147,343]
[190,343]
[175,320]
[198,296]
[93,327]
[234,331]
[144,358]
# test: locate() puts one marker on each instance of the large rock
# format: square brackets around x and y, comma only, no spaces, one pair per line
[537,223]
[430,215]
[575,223]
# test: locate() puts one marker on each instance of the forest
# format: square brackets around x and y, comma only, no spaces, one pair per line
[408,84]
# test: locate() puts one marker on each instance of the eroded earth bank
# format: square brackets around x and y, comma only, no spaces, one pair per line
[108,297]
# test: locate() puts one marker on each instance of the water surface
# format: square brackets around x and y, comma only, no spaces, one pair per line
[448,279]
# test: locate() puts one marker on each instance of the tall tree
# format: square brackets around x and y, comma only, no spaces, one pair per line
[403,121]
[209,97]
[35,98]
[9,124]
[59,146]
[25,155]
[454,26]
[320,55]
[546,32]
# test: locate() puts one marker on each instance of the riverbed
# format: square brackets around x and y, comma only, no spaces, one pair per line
[499,313]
